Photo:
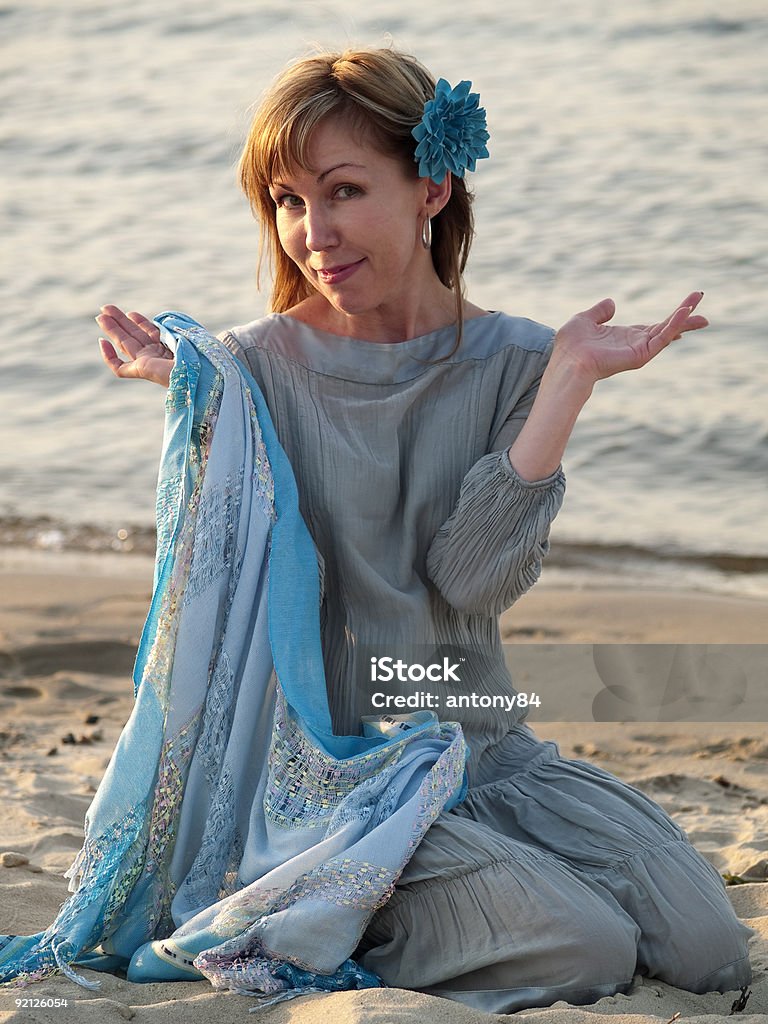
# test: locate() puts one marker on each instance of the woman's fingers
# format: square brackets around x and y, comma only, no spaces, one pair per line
[133,347]
[148,326]
[113,322]
[601,312]
[687,306]
[693,299]
[679,322]
[129,332]
[108,354]
[676,321]
[111,358]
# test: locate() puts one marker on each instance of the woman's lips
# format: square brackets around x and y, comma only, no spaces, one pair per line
[335,275]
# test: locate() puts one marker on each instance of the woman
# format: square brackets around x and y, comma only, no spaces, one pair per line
[426,435]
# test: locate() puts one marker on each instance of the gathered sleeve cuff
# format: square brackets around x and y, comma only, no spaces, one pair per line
[488,553]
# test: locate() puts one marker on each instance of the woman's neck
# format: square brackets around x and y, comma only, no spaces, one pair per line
[383,326]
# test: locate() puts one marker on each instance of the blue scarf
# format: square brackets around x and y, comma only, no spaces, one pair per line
[233,835]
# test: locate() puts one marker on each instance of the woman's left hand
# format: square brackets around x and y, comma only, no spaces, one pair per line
[593,349]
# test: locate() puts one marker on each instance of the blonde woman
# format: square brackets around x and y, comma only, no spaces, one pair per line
[426,435]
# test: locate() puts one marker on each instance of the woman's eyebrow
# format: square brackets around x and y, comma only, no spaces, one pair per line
[336,168]
[321,177]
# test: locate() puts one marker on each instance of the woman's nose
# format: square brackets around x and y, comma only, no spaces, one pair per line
[320,230]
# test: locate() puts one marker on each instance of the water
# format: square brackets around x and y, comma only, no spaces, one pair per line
[629,158]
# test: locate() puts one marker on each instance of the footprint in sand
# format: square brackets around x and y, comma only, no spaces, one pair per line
[100,657]
[29,692]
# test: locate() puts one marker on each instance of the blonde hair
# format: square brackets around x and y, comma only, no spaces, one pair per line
[381,94]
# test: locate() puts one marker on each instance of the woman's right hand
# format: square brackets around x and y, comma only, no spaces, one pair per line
[138,339]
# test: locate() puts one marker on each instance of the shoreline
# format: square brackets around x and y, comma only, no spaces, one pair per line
[570,563]
[565,606]
[576,567]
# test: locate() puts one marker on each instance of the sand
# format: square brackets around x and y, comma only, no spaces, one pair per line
[68,633]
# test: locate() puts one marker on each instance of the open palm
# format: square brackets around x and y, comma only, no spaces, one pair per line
[599,349]
[138,339]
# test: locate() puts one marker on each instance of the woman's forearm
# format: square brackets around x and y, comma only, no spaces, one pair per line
[587,349]
[538,449]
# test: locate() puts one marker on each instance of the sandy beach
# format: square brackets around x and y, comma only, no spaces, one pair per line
[68,633]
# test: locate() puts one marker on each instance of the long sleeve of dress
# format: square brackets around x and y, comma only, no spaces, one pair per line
[489,551]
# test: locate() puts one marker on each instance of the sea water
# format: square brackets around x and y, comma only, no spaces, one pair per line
[629,158]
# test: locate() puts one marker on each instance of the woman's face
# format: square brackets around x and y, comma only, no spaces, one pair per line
[353,223]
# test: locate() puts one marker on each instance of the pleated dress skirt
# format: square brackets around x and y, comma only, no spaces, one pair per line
[554,880]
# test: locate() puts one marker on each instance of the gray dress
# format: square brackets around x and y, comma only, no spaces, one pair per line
[553,879]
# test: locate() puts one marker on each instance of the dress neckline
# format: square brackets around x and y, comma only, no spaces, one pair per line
[438,332]
[375,362]
[391,363]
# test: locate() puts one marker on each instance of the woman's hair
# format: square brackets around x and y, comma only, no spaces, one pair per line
[381,94]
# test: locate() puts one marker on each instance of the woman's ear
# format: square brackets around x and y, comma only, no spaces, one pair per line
[437,194]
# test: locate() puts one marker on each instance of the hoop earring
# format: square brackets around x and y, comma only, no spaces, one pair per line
[426,233]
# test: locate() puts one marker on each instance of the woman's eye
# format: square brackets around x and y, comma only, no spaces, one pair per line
[290,202]
[347,191]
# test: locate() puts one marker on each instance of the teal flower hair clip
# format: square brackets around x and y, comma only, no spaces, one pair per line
[452,133]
